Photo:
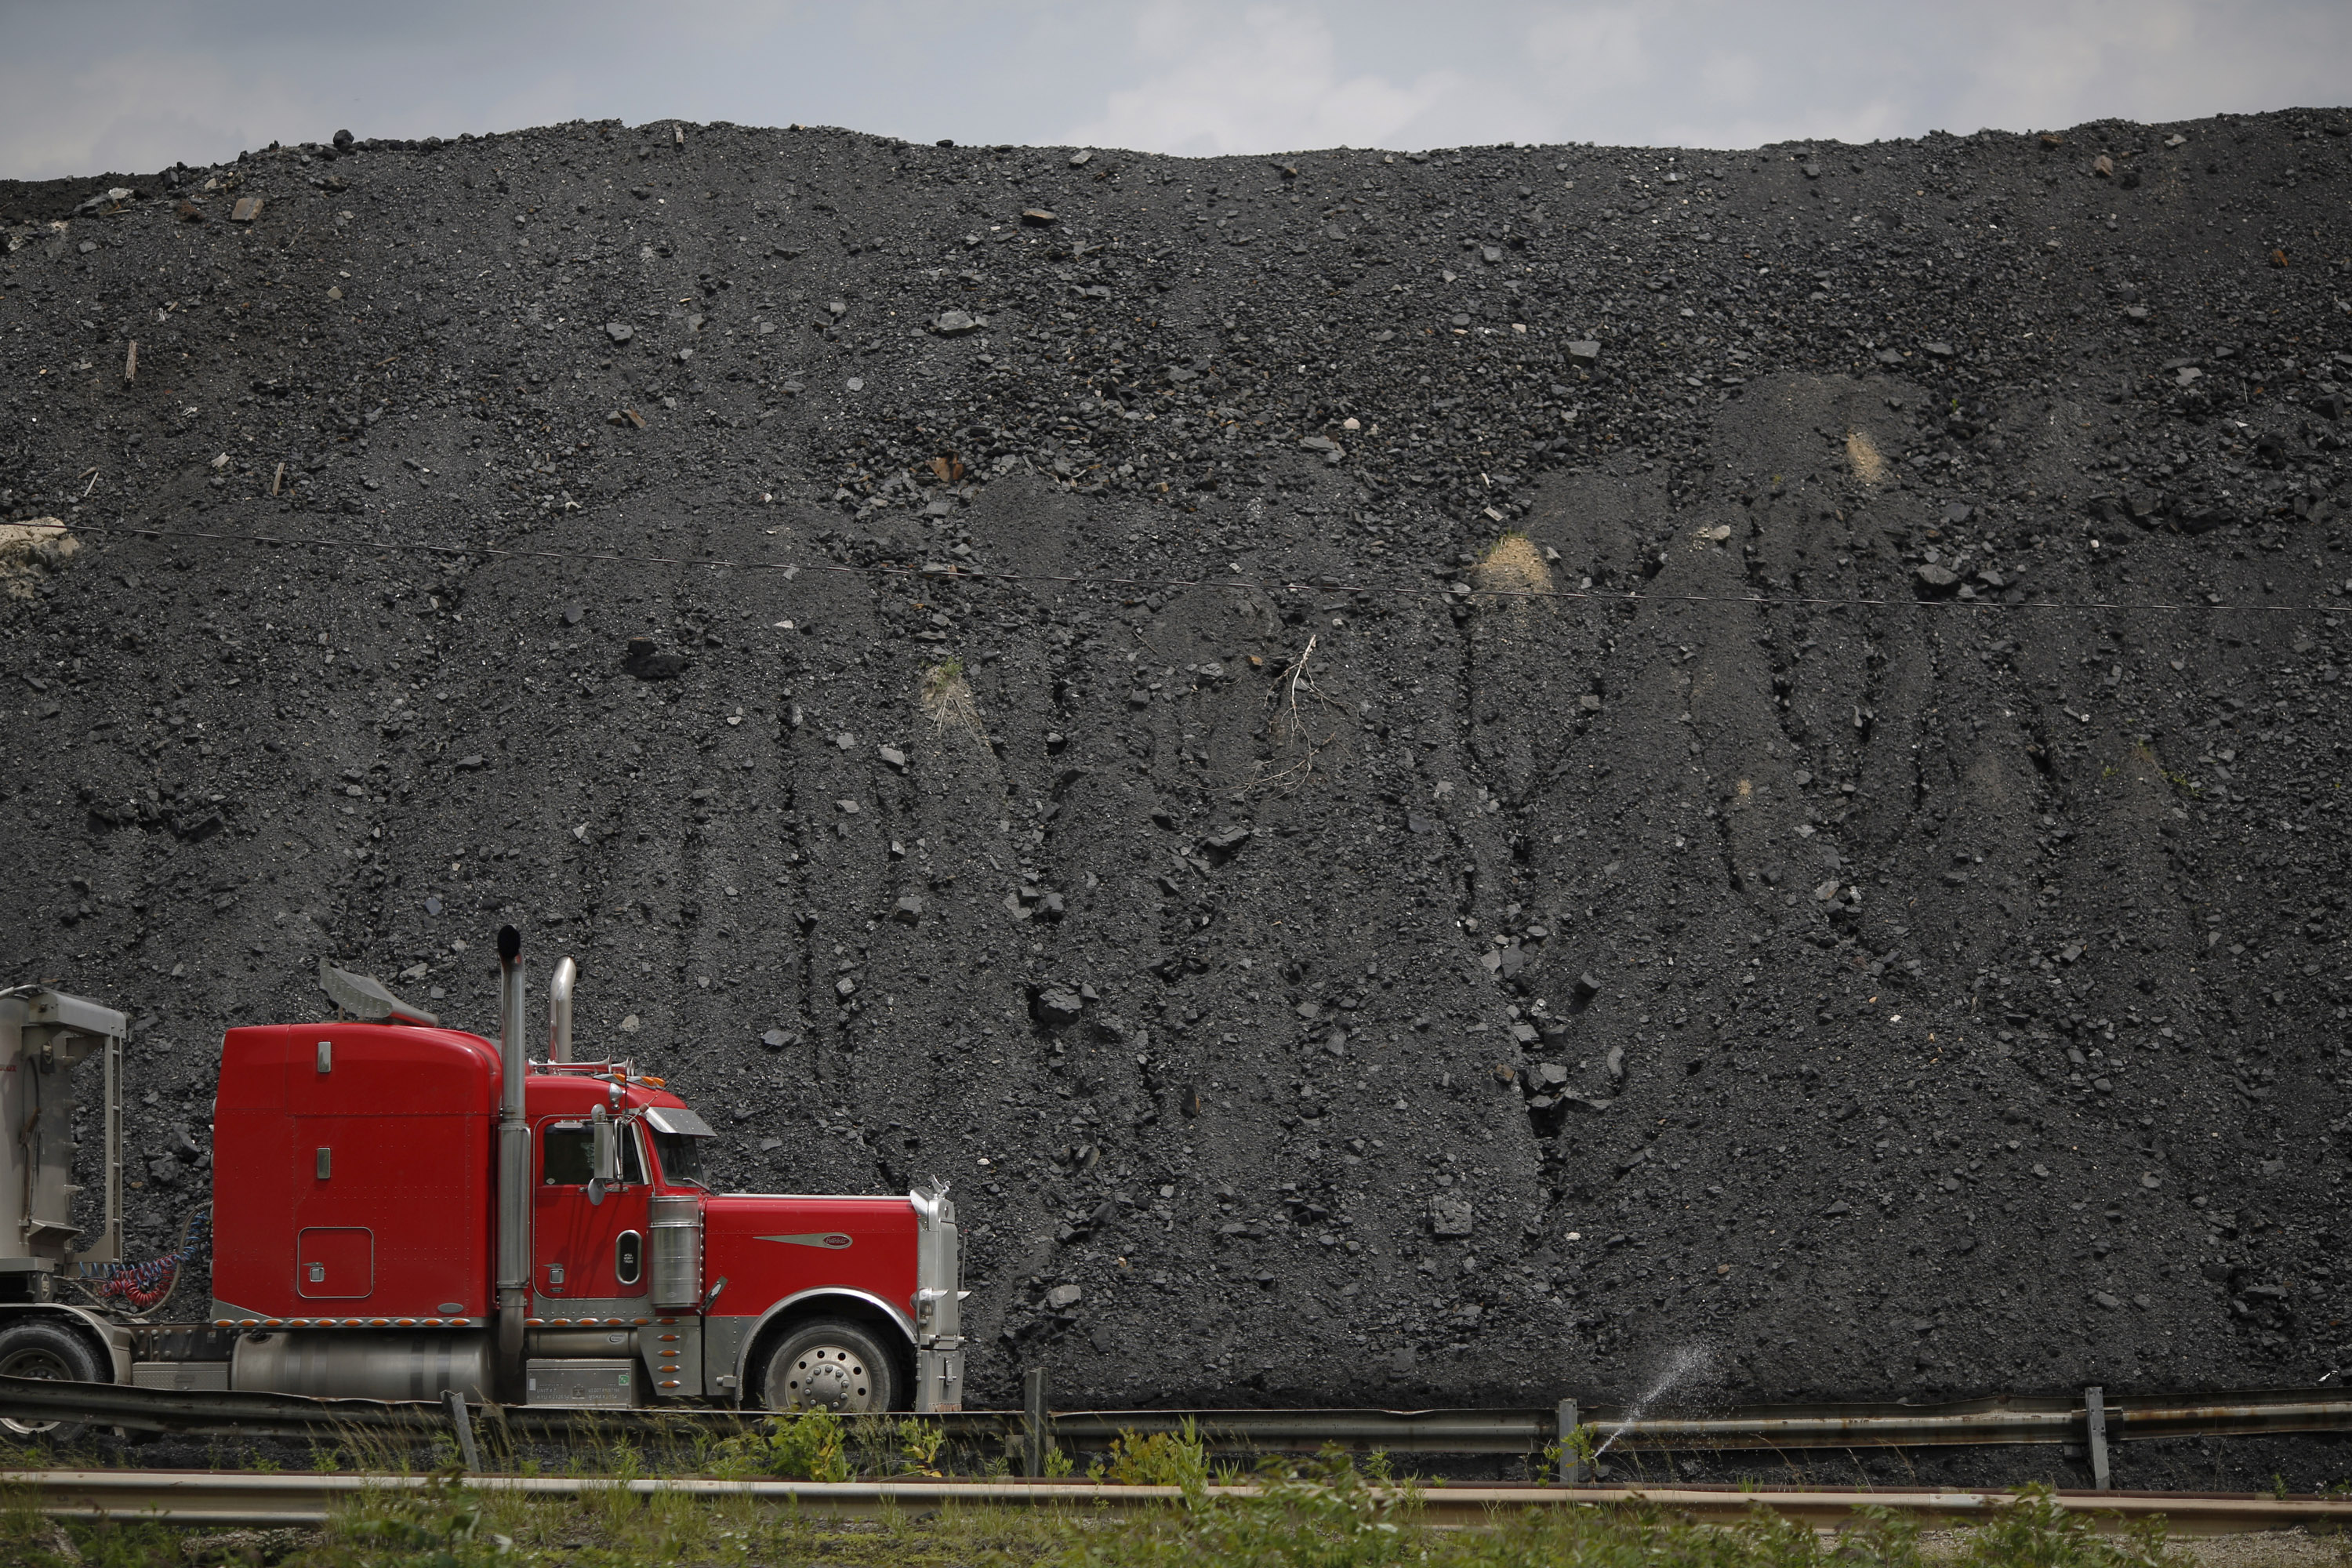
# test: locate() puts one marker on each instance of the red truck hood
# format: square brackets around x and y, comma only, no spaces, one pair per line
[772,1247]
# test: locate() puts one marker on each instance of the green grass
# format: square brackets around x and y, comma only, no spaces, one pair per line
[1329,1512]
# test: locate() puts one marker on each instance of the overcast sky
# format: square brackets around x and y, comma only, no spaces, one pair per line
[92,86]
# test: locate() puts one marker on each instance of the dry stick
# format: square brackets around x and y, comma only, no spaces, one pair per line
[130,361]
[1298,673]
[1304,767]
[276,479]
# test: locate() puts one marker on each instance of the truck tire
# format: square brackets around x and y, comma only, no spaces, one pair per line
[833,1363]
[34,1347]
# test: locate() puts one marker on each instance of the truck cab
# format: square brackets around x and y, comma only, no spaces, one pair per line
[353,1190]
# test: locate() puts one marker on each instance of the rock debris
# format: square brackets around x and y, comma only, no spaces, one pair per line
[1852,931]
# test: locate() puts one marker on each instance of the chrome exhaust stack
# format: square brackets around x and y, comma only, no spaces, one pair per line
[514,1169]
[559,1010]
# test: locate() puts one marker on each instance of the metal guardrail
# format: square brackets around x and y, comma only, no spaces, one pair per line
[2008,1419]
[209,1497]
[1979,1422]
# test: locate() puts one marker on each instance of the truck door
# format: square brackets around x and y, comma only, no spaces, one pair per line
[591,1258]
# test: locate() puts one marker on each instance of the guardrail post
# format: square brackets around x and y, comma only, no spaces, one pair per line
[1033,1435]
[1572,1463]
[463,1419]
[2094,1418]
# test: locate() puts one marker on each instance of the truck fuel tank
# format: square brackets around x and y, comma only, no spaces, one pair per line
[363,1363]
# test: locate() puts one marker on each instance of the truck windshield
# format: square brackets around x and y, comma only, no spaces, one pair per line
[681,1159]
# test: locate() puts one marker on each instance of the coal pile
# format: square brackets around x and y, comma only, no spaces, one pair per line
[1427,777]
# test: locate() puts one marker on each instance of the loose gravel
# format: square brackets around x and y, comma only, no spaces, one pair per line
[1428,778]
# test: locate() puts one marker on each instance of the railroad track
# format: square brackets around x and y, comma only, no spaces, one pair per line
[198,1497]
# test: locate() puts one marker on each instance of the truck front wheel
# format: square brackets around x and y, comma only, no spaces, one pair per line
[831,1362]
[50,1350]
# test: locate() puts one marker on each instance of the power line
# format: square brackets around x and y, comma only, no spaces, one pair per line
[956,572]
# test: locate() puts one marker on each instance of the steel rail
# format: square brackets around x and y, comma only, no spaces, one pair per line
[2007,1420]
[190,1498]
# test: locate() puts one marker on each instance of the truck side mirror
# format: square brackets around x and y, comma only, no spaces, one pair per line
[608,1155]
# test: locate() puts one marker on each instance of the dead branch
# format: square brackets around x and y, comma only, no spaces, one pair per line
[1288,726]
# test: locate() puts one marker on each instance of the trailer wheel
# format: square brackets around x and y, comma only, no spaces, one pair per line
[53,1351]
[831,1362]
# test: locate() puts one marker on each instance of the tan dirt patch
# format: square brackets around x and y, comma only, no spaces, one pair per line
[1514,565]
[1869,463]
[30,552]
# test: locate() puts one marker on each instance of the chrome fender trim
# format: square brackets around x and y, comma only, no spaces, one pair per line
[743,1356]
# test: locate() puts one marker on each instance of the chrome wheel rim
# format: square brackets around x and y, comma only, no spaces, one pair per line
[44,1365]
[831,1377]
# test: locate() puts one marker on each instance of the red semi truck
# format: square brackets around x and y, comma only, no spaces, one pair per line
[402,1210]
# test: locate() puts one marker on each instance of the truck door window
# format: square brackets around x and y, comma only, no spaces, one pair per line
[681,1159]
[568,1156]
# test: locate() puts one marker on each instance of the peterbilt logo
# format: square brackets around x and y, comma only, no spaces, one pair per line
[833,1240]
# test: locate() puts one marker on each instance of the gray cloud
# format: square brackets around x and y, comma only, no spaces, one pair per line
[134,84]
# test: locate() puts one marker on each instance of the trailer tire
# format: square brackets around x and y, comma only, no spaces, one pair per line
[834,1363]
[50,1350]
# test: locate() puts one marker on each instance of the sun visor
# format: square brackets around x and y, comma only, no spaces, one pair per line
[671,1119]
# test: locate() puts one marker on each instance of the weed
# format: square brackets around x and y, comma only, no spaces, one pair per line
[443,1526]
[803,1445]
[1880,1535]
[919,1443]
[881,1445]
[1177,1458]
[1581,1443]
[946,701]
[1324,1512]
[2035,1532]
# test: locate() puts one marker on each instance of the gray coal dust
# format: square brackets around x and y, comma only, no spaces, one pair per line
[1726,747]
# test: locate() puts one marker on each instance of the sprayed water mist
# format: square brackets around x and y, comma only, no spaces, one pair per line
[1684,1365]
